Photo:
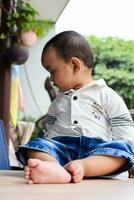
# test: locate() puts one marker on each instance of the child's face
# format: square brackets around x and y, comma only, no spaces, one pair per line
[61,73]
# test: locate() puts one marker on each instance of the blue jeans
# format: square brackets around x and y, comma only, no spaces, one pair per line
[65,149]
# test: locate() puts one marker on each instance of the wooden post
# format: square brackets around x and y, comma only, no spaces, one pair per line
[5,72]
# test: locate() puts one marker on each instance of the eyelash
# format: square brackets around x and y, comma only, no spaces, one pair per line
[52,73]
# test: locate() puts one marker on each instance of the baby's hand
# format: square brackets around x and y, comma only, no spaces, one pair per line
[131,172]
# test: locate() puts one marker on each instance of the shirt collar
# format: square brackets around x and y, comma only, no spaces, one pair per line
[99,82]
[69,91]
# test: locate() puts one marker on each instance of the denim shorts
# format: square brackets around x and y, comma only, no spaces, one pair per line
[65,149]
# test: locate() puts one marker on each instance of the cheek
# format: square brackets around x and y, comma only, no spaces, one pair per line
[68,73]
[64,76]
[62,80]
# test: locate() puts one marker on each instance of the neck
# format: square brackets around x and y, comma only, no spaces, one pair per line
[83,83]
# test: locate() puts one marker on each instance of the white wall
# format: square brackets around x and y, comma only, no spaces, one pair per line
[32,77]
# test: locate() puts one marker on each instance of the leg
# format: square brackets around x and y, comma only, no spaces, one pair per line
[43,168]
[94,166]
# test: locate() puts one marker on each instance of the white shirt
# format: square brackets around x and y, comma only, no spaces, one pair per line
[94,110]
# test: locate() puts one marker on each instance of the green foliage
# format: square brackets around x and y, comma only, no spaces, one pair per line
[40,27]
[122,81]
[114,61]
[113,52]
[23,18]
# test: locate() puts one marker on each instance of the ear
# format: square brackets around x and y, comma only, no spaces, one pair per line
[76,64]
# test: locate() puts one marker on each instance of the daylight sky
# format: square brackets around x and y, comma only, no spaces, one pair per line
[99,17]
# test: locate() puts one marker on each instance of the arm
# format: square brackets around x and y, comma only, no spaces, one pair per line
[121,121]
[122,124]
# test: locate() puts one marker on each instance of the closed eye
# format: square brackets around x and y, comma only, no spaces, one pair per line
[52,72]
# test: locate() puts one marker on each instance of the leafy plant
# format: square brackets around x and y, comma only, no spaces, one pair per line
[114,61]
[113,52]
[23,18]
[122,81]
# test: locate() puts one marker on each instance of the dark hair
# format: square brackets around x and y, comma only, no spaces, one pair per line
[70,43]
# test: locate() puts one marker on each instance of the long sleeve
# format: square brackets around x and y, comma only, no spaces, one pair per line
[122,124]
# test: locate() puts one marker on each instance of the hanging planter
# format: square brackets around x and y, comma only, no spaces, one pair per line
[16,54]
[28,38]
[24,27]
[24,23]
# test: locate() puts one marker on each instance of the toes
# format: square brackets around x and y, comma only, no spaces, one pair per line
[30,181]
[77,178]
[26,175]
[27,172]
[33,162]
[27,169]
[70,168]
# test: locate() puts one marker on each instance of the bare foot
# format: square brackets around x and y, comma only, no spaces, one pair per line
[75,168]
[27,172]
[38,171]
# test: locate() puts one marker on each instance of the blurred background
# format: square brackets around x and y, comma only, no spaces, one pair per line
[107,25]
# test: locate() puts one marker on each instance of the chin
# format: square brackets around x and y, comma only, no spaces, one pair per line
[62,90]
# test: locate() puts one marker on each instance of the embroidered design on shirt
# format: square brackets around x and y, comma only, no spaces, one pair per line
[49,119]
[97,110]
